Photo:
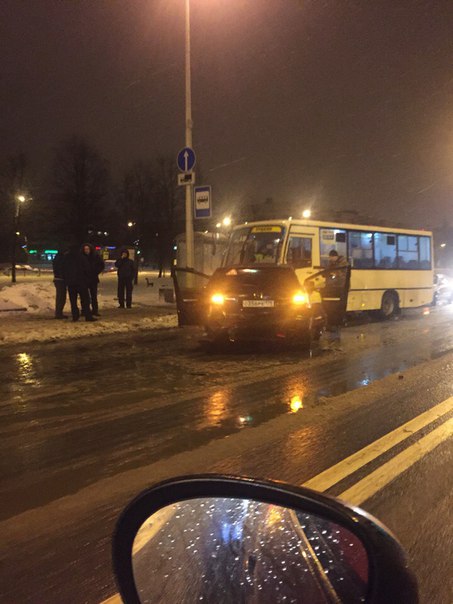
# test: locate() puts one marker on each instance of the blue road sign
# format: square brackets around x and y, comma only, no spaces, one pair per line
[202,202]
[186,159]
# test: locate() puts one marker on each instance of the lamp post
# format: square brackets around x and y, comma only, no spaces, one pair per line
[18,201]
[190,256]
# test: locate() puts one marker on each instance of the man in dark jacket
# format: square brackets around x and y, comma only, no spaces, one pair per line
[76,273]
[126,271]
[60,285]
[96,266]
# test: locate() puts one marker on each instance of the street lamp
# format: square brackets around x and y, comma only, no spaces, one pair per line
[18,201]
[306,214]
[190,254]
[226,221]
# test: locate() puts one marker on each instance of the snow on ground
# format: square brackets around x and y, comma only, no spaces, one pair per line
[36,297]
[37,323]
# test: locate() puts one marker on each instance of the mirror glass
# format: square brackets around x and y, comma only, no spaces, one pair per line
[241,551]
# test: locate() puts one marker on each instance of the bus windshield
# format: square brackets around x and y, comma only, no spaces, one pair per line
[255,244]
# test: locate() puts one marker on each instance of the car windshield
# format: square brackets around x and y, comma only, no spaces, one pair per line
[255,244]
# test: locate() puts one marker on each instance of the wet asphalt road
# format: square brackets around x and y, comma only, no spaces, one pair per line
[87,424]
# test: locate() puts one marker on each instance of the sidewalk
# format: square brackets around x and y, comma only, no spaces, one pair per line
[37,323]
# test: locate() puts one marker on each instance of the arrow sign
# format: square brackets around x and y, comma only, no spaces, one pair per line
[186,159]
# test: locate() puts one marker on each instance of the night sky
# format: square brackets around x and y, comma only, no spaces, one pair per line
[344,104]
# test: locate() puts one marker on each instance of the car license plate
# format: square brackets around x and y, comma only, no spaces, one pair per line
[258,304]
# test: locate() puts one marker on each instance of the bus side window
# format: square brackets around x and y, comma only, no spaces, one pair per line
[299,252]
[332,239]
[424,247]
[408,252]
[384,250]
[361,249]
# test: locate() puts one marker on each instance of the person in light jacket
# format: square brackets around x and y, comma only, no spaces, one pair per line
[126,271]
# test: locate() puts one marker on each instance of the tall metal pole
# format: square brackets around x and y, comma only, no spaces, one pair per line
[15,240]
[190,257]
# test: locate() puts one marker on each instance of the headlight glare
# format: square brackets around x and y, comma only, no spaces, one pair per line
[218,299]
[300,298]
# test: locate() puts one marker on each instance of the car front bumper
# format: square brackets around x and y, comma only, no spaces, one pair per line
[258,325]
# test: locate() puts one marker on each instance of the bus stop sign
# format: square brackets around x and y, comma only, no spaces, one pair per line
[202,202]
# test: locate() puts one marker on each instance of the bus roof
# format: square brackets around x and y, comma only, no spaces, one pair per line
[335,225]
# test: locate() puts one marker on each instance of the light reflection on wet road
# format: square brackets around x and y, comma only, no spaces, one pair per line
[89,410]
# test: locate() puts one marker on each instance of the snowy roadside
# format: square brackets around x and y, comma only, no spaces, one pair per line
[37,323]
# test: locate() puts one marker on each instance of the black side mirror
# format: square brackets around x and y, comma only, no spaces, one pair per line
[227,540]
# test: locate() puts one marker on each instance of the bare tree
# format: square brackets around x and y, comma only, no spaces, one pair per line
[13,181]
[80,188]
[151,201]
[167,209]
[137,203]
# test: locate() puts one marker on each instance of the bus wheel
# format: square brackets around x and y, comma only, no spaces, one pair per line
[389,305]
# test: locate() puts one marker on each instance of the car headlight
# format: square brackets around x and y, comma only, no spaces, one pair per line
[300,298]
[217,299]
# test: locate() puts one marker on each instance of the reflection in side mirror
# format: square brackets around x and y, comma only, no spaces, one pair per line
[232,550]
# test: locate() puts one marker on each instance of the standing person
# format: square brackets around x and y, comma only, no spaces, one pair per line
[96,266]
[336,261]
[76,273]
[126,271]
[60,285]
[337,287]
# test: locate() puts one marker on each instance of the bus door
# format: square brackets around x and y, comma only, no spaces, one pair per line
[332,283]
[302,251]
[190,288]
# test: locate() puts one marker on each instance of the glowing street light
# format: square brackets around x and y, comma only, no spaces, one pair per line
[19,200]
[226,221]
[306,214]
[130,224]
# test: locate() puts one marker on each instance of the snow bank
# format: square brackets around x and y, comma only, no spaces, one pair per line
[27,329]
[37,298]
[38,324]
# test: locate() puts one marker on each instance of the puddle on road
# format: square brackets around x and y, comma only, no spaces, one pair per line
[26,372]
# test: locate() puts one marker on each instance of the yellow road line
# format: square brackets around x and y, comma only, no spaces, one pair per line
[386,473]
[354,462]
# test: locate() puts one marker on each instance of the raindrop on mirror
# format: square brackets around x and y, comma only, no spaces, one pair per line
[231,551]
